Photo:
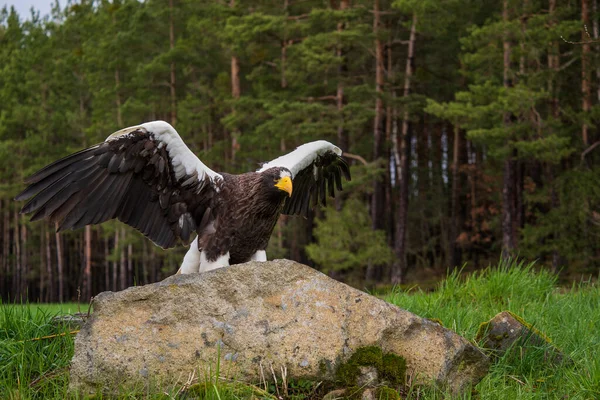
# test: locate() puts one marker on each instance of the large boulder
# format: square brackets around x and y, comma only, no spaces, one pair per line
[258,318]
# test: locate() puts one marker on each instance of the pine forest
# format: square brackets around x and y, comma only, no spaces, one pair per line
[471,128]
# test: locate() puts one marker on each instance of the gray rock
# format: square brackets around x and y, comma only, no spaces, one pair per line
[509,331]
[257,318]
[367,376]
[369,394]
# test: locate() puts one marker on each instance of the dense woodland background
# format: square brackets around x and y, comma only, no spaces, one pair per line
[471,127]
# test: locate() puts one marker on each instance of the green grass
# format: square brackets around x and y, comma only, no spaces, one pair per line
[570,317]
[51,309]
[33,368]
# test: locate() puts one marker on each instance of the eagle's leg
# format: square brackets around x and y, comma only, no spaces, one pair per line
[191,261]
[208,265]
[260,255]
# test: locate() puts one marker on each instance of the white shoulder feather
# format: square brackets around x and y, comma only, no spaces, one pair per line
[302,157]
[184,162]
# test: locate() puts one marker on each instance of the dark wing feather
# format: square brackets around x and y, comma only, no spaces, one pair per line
[313,182]
[139,175]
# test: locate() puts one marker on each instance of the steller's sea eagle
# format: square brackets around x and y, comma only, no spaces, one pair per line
[148,178]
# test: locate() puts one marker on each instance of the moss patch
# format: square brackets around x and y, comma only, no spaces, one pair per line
[387,393]
[393,369]
[482,330]
[390,367]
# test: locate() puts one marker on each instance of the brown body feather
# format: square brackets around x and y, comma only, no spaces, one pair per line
[244,215]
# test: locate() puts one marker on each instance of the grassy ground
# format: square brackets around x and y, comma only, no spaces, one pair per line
[570,317]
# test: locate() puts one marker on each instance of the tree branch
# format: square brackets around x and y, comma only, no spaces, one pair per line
[586,151]
[383,12]
[583,41]
[356,157]
[320,98]
[298,17]
[395,42]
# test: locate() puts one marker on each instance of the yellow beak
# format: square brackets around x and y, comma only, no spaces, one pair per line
[285,184]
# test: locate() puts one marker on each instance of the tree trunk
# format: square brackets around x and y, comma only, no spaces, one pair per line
[172,77]
[49,270]
[519,166]
[391,129]
[59,264]
[235,77]
[24,261]
[342,135]
[6,245]
[123,266]
[585,72]
[439,185]
[456,219]
[118,84]
[145,263]
[519,184]
[554,66]
[106,265]
[87,271]
[508,214]
[596,31]
[400,265]
[378,198]
[235,93]
[118,98]
[130,262]
[43,267]
[115,280]
[17,276]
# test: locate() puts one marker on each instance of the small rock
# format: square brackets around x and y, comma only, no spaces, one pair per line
[367,376]
[507,330]
[369,394]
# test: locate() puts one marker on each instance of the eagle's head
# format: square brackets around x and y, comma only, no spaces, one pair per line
[277,182]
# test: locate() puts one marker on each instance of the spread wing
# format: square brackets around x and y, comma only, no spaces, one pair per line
[317,169]
[144,175]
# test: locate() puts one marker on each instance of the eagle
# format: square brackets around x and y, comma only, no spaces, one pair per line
[148,178]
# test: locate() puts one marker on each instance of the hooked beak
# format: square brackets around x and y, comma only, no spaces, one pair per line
[285,184]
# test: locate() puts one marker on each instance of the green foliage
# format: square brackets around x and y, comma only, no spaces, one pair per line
[573,227]
[345,239]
